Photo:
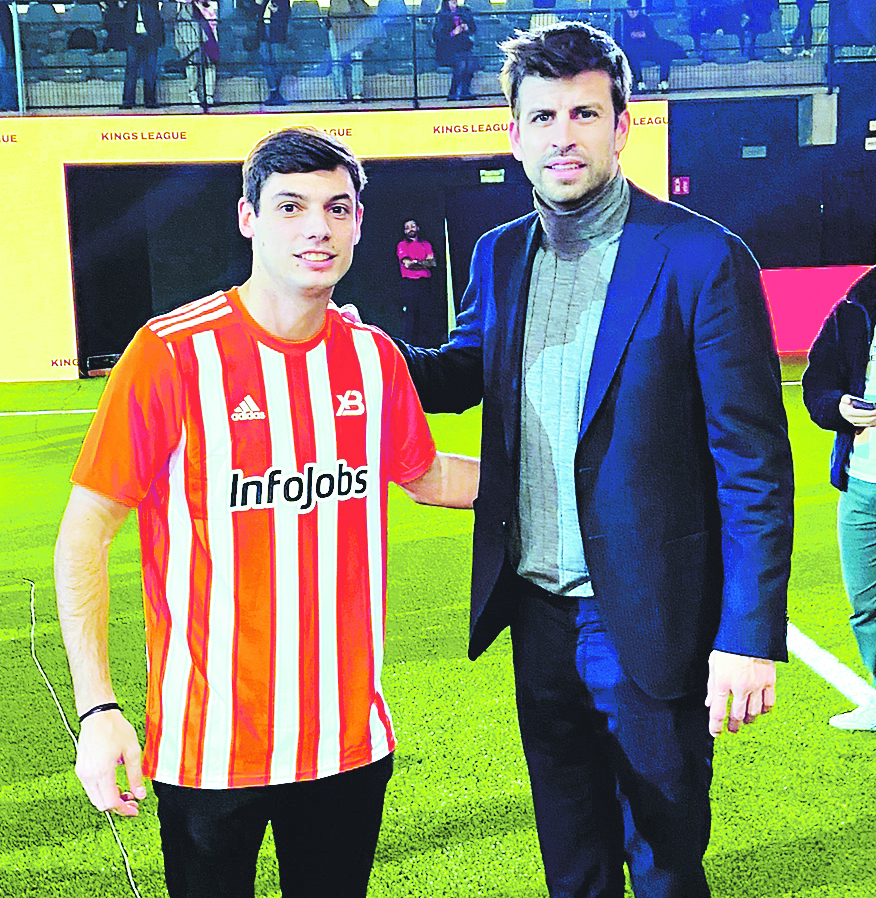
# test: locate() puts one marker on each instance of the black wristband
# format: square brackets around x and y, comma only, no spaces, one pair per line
[107,706]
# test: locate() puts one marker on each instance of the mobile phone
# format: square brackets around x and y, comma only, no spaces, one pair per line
[863,404]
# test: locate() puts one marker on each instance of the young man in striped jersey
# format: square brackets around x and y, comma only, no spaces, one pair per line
[255,431]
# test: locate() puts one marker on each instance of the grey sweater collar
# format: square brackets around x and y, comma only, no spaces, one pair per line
[569,232]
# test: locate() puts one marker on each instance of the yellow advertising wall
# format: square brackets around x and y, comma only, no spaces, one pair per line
[37,340]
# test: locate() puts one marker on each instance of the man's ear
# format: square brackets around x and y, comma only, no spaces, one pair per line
[360,211]
[514,138]
[245,216]
[622,130]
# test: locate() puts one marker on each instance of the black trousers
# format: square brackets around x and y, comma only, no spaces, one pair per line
[325,834]
[617,775]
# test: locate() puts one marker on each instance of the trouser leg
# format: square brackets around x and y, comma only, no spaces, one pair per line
[577,812]
[210,81]
[456,78]
[150,73]
[133,61]
[856,532]
[615,773]
[326,830]
[357,73]
[210,839]
[271,68]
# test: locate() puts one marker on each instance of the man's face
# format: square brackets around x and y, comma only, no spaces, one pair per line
[411,230]
[304,234]
[566,136]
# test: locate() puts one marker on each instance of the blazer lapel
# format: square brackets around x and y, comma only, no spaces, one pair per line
[511,276]
[639,260]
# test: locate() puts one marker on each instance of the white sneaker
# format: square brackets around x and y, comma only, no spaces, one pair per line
[642,86]
[862,718]
[806,54]
[663,85]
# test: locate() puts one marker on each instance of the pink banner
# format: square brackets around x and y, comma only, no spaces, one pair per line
[801,298]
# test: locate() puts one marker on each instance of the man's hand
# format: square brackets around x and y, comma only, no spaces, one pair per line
[107,740]
[749,682]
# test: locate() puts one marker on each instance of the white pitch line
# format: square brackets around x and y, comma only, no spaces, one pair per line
[792,383]
[109,818]
[817,659]
[69,411]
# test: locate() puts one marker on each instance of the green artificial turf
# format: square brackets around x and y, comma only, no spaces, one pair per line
[793,813]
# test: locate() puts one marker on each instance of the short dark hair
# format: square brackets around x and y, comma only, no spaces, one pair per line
[297,150]
[563,50]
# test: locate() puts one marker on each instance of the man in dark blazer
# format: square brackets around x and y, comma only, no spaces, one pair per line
[144,36]
[633,522]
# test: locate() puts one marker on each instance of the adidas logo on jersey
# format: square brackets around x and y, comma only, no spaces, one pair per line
[247,410]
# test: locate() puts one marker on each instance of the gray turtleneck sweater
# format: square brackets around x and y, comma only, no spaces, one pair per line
[570,277]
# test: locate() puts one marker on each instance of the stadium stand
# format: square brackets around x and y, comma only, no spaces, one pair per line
[399,63]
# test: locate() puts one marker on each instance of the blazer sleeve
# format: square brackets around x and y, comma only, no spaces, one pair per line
[826,378]
[739,376]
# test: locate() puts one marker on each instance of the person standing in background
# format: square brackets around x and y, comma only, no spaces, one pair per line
[272,28]
[144,36]
[839,391]
[351,29]
[197,39]
[453,30]
[416,260]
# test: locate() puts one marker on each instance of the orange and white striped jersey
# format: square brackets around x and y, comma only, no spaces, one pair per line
[259,469]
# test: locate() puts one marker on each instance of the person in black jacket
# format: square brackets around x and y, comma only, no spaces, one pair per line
[454,27]
[640,42]
[839,390]
[144,35]
[273,25]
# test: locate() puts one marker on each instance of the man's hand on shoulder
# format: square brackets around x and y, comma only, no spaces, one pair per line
[749,684]
[105,741]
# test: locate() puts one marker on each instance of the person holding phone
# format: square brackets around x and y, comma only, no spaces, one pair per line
[839,390]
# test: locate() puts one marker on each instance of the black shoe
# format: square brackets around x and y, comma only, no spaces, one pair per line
[467,97]
[276,99]
[126,106]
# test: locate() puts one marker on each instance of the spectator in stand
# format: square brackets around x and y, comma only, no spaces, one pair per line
[114,23]
[640,42]
[715,17]
[351,30]
[756,20]
[803,31]
[273,24]
[454,27]
[144,36]
[197,39]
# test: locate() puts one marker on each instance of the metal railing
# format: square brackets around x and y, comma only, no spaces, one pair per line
[72,58]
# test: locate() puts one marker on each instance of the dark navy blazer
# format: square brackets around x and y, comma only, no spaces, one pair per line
[683,469]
